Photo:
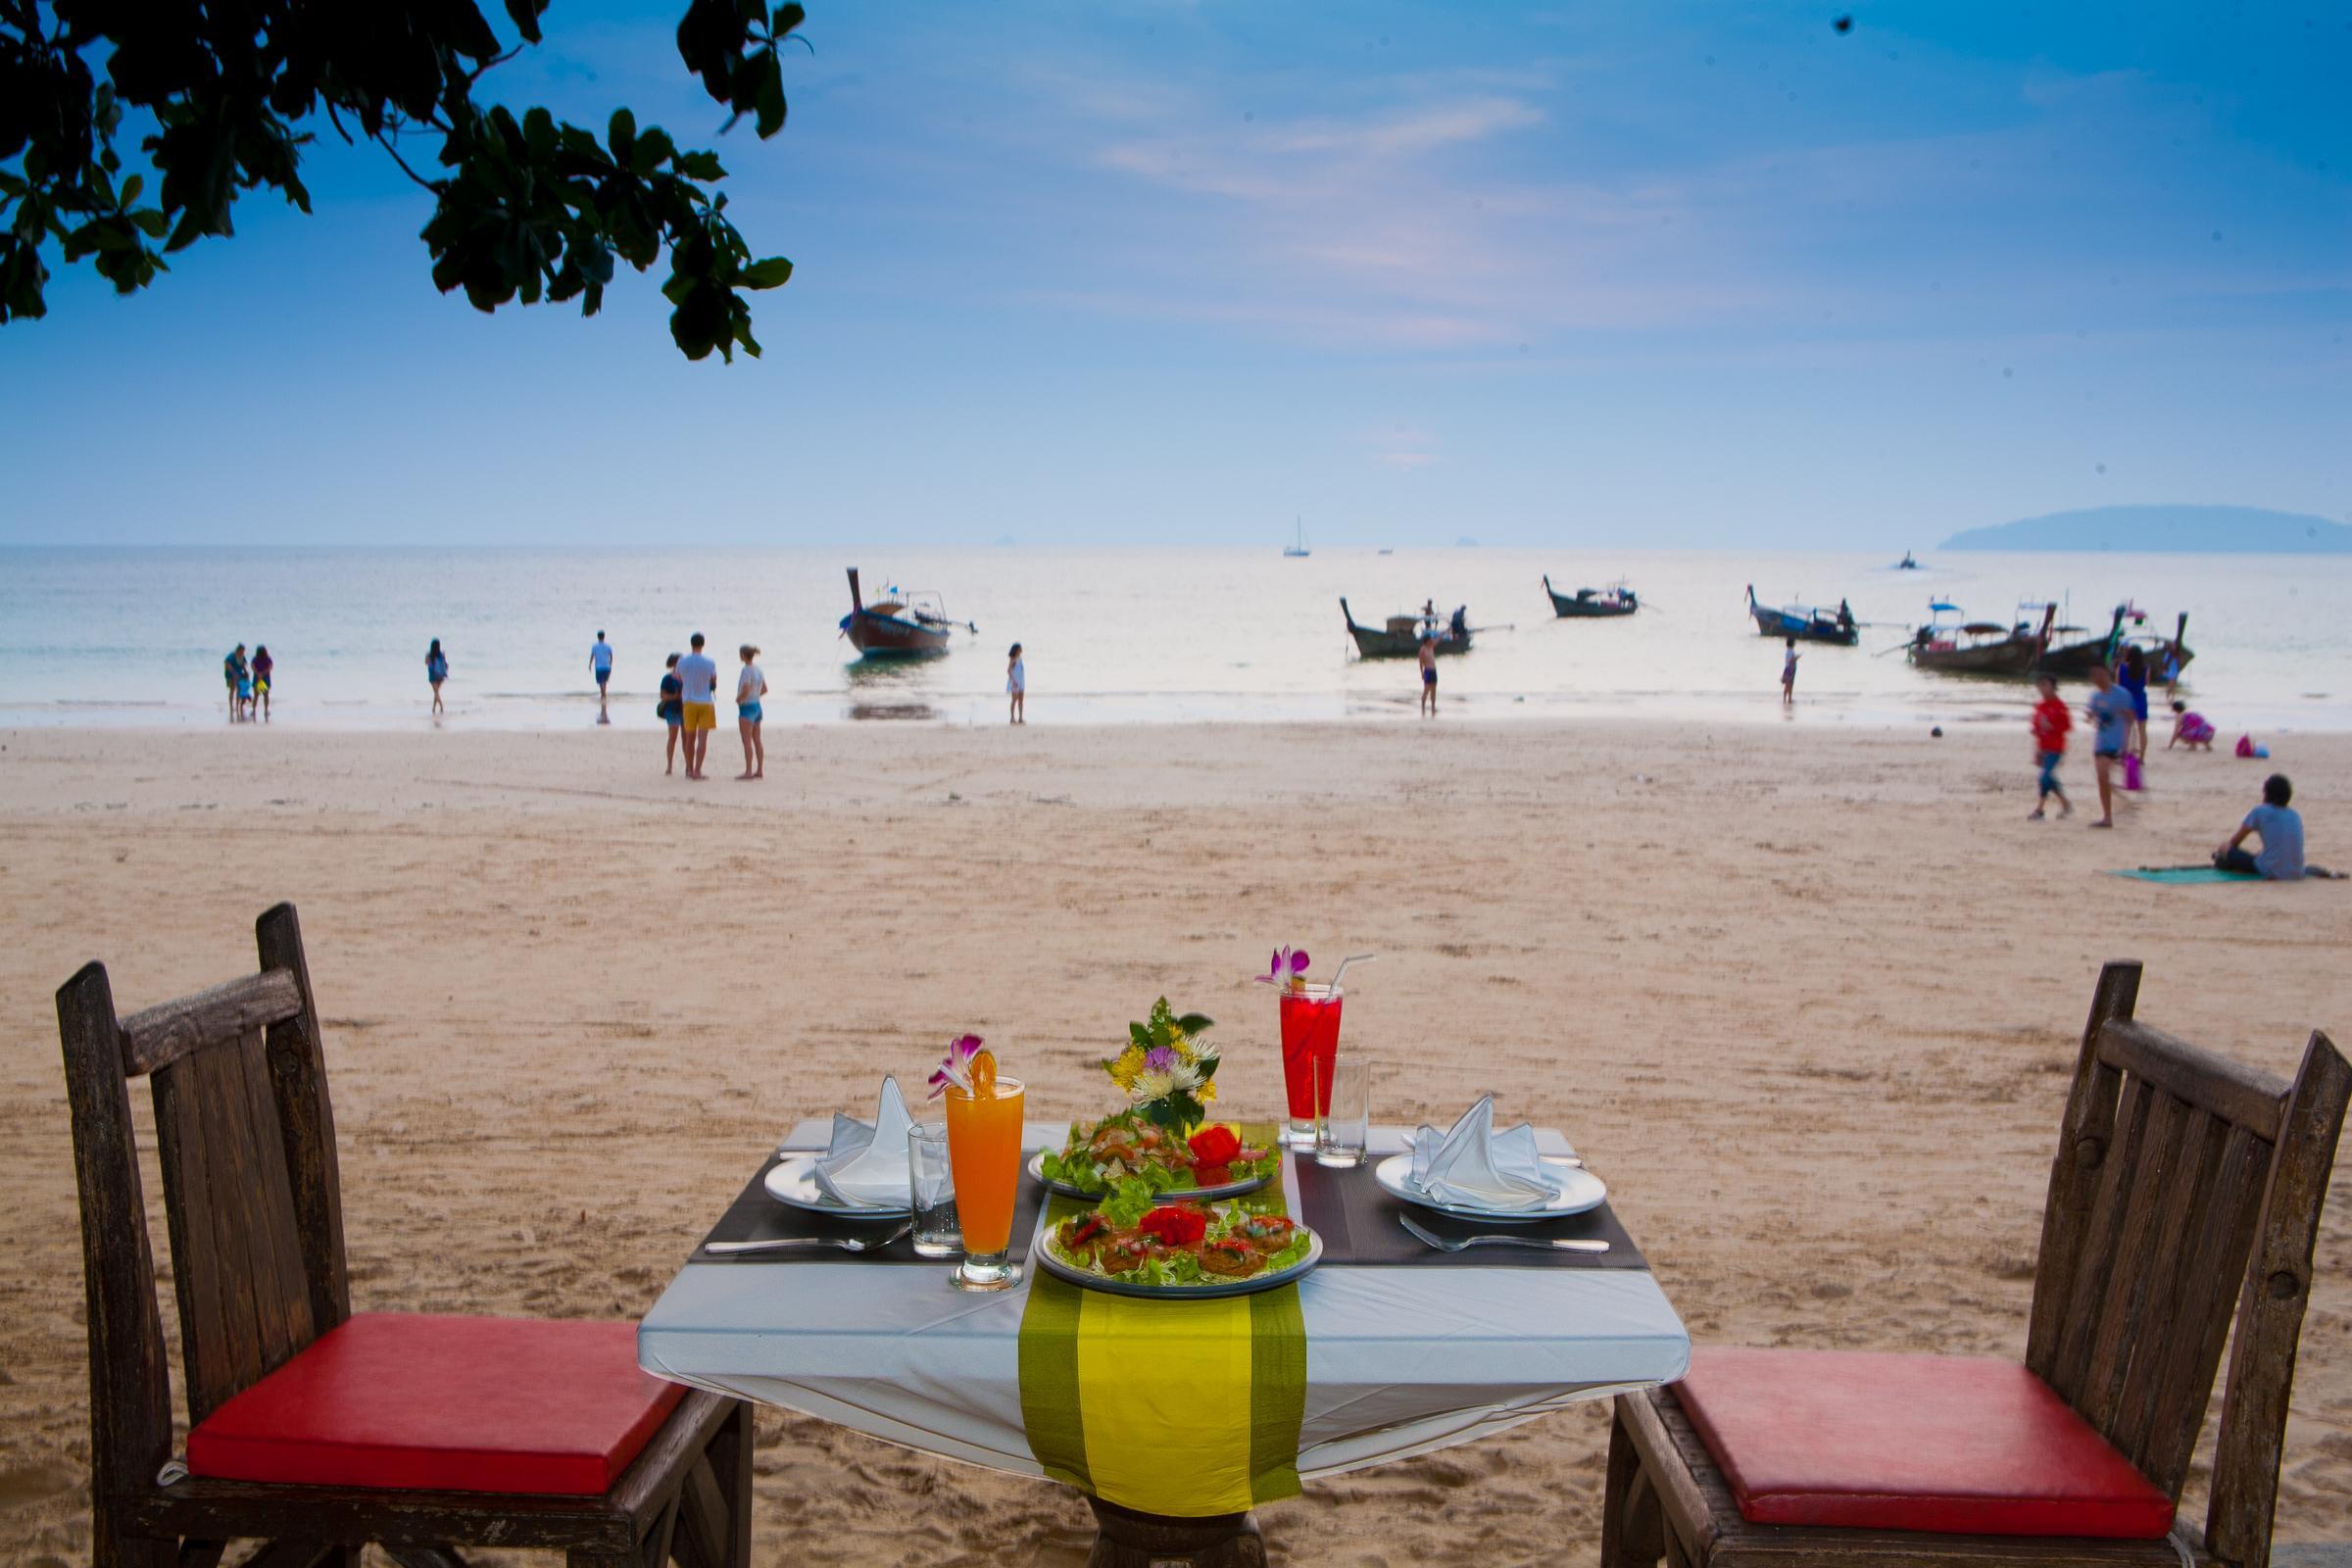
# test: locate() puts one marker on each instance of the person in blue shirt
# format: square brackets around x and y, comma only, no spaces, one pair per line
[599,665]
[2110,713]
[2281,830]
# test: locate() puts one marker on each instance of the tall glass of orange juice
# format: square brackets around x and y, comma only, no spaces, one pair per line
[983,1152]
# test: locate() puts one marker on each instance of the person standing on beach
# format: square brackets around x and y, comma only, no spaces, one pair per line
[263,664]
[233,672]
[2132,674]
[1428,658]
[599,665]
[698,688]
[750,687]
[2050,723]
[1016,686]
[2110,712]
[1788,676]
[436,670]
[670,711]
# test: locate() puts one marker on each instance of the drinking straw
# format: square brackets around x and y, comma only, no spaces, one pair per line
[1354,957]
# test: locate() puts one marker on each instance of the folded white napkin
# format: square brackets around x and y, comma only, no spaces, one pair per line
[866,1166]
[1478,1168]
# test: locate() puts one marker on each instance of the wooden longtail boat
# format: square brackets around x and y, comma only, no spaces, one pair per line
[2166,655]
[1592,603]
[898,625]
[1401,637]
[1981,648]
[1807,623]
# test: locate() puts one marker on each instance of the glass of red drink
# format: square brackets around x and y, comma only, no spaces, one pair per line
[1310,1039]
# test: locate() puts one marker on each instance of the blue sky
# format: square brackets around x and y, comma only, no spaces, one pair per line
[1696,274]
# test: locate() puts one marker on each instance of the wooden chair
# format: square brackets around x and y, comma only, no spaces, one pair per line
[2186,1191]
[247,1147]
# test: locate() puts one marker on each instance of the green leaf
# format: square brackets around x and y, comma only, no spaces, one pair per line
[1192,1024]
[770,99]
[700,165]
[773,272]
[621,135]
[130,190]
[525,15]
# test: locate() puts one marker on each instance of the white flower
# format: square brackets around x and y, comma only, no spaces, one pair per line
[1150,1085]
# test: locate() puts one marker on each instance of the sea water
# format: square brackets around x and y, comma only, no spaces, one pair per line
[129,636]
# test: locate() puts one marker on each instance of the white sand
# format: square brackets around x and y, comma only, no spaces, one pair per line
[1807,997]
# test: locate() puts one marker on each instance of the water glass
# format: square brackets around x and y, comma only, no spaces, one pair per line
[1344,1129]
[931,1187]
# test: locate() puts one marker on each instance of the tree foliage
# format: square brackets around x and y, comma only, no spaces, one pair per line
[225,94]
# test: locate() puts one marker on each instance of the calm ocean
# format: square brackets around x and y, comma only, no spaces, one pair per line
[123,637]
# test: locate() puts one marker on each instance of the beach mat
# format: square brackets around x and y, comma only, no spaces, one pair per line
[2185,873]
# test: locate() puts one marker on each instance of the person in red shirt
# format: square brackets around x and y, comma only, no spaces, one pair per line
[2051,721]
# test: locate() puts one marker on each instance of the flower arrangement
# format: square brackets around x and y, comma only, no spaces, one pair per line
[1168,1071]
[1287,971]
[967,1066]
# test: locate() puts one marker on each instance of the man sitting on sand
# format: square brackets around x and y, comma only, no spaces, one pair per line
[2280,829]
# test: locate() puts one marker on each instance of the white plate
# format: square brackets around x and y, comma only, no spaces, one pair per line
[1217,1290]
[1174,1194]
[792,1180]
[1575,1191]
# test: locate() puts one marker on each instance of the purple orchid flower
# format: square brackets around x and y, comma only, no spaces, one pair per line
[1288,961]
[957,1069]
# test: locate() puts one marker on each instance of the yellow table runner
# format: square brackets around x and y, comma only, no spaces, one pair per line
[1185,1408]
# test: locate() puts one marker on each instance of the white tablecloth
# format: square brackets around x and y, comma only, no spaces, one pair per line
[1398,1360]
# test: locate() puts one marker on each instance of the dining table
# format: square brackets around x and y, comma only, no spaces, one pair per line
[1406,1348]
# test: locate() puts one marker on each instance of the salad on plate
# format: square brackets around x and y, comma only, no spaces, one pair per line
[1129,1147]
[1133,1239]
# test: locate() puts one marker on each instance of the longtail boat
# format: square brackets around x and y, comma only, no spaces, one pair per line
[1400,638]
[1591,603]
[898,625]
[2167,656]
[1807,623]
[1979,648]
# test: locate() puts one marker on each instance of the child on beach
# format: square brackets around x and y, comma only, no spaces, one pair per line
[1429,669]
[2281,832]
[2110,712]
[2191,730]
[436,670]
[750,687]
[1788,675]
[2050,723]
[245,695]
[263,664]
[672,711]
[1016,686]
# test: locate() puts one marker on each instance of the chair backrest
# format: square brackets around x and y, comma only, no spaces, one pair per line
[2186,1192]
[246,1141]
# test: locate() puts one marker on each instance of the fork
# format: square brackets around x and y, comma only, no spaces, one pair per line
[846,1244]
[1541,1244]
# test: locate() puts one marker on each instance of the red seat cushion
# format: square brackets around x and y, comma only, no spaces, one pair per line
[1911,1443]
[424,1403]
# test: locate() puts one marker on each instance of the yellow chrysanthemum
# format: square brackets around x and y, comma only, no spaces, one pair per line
[1130,1062]
[1208,1090]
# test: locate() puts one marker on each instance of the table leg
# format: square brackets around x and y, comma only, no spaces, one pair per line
[1133,1539]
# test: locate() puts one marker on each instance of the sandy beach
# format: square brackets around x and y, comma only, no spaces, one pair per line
[1807,997]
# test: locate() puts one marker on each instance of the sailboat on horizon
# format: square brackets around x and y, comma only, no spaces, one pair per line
[1297,549]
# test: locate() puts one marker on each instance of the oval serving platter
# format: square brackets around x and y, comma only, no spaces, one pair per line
[1174,1194]
[1087,1279]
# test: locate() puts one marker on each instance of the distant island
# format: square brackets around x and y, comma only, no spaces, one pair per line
[2252,530]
